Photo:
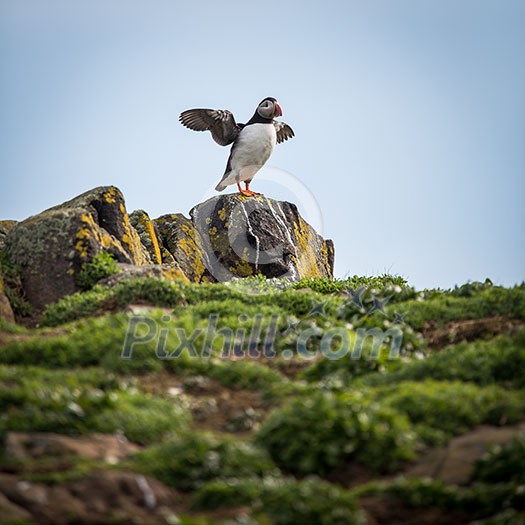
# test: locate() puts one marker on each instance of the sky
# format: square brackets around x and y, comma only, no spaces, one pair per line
[409,118]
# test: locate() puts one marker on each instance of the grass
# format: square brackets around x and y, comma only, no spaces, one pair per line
[283,501]
[325,415]
[319,433]
[500,360]
[78,402]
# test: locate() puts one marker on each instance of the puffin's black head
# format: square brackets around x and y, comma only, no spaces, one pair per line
[269,108]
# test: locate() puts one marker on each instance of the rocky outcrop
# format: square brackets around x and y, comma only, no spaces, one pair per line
[227,236]
[245,236]
[148,235]
[183,244]
[50,248]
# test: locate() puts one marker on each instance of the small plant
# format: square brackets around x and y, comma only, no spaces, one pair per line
[101,265]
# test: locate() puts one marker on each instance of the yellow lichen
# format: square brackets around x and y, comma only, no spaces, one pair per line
[111,195]
[176,274]
[306,260]
[222,214]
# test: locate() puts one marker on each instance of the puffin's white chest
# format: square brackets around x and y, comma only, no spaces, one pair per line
[254,146]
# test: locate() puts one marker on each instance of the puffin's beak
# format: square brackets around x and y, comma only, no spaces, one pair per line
[278,112]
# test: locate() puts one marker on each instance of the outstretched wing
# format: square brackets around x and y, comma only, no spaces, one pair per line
[284,131]
[219,122]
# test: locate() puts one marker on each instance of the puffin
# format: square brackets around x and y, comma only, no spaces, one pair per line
[253,142]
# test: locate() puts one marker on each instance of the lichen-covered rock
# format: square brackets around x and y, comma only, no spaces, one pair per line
[50,248]
[169,272]
[145,227]
[107,207]
[183,243]
[5,228]
[244,236]
[6,312]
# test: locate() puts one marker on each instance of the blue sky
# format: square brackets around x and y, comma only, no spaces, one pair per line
[409,118]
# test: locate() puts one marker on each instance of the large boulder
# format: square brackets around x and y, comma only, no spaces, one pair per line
[244,236]
[50,248]
[148,234]
[183,245]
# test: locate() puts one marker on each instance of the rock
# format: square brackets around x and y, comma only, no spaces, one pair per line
[455,463]
[6,312]
[98,498]
[12,513]
[183,243]
[148,235]
[5,228]
[169,272]
[228,236]
[51,247]
[244,236]
[111,448]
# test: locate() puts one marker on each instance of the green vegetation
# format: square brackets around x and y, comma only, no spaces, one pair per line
[478,500]
[168,384]
[442,409]
[99,298]
[91,400]
[316,434]
[12,286]
[102,265]
[500,360]
[503,464]
[470,302]
[283,501]
[188,460]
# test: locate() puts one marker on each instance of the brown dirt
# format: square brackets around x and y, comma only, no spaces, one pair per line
[214,407]
[384,511]
[468,330]
[454,463]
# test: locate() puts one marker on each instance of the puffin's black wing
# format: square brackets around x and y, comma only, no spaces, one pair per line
[284,131]
[220,122]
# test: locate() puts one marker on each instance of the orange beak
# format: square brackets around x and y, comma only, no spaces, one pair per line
[278,112]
